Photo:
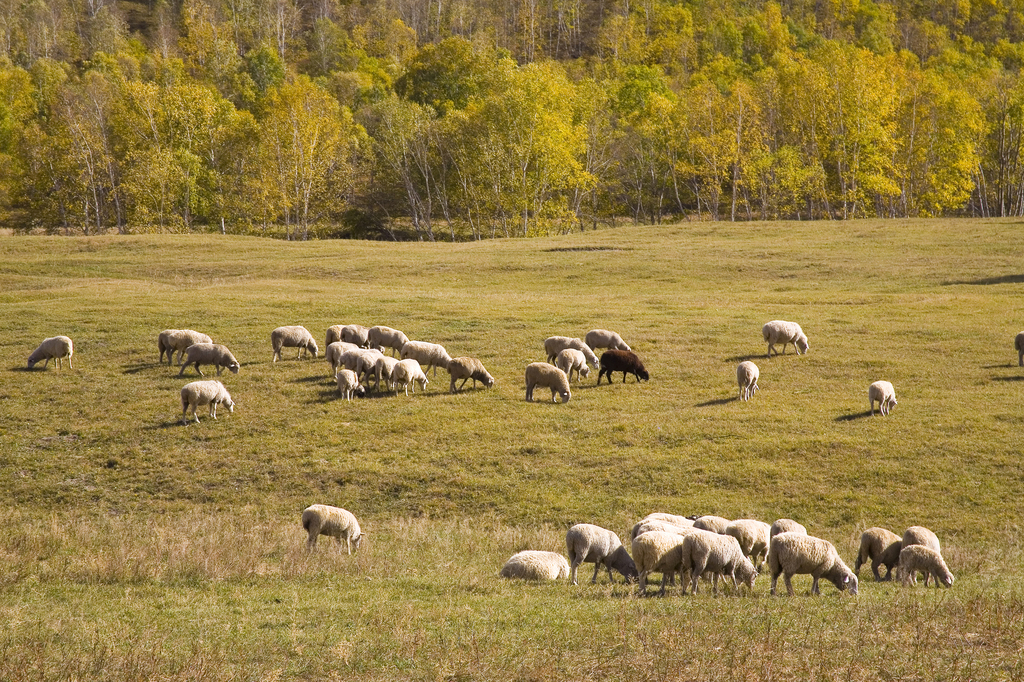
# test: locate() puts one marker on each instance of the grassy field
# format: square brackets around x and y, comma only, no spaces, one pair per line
[138,549]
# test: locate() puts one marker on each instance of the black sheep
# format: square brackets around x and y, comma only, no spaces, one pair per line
[625,361]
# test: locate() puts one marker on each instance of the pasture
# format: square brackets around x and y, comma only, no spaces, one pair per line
[136,548]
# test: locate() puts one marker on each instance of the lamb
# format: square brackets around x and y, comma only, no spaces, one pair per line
[171,340]
[881,547]
[428,354]
[660,552]
[570,359]
[533,564]
[357,334]
[792,553]
[468,368]
[746,376]
[785,332]
[293,336]
[715,524]
[602,338]
[382,371]
[720,554]
[56,347]
[334,352]
[553,345]
[919,535]
[381,337]
[348,384]
[753,537]
[543,374]
[209,354]
[341,524]
[408,372]
[1018,344]
[587,543]
[786,526]
[200,393]
[920,558]
[625,361]
[883,393]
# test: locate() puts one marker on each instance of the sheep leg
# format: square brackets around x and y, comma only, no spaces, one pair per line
[572,571]
[789,583]
[597,569]
[213,409]
[814,585]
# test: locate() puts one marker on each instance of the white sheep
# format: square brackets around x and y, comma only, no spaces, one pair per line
[348,383]
[532,564]
[171,340]
[333,334]
[408,372]
[468,368]
[658,552]
[670,518]
[547,376]
[341,524]
[753,536]
[780,331]
[747,374]
[602,338]
[209,354]
[357,334]
[1018,344]
[570,359]
[884,394]
[381,337]
[919,535]
[56,347]
[382,371]
[293,336]
[792,553]
[362,361]
[587,543]
[199,393]
[881,547]
[786,526]
[715,524]
[920,558]
[553,345]
[427,354]
[334,351]
[648,525]
[704,551]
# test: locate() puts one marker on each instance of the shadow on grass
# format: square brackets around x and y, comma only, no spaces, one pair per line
[176,423]
[142,367]
[1017,378]
[744,358]
[720,401]
[1008,365]
[314,379]
[853,416]
[23,368]
[985,281]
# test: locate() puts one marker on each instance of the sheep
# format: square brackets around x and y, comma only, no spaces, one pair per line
[625,361]
[543,374]
[341,524]
[56,347]
[553,345]
[919,535]
[381,337]
[334,351]
[570,359]
[786,332]
[587,543]
[293,336]
[602,338]
[792,553]
[684,521]
[881,547]
[209,354]
[466,369]
[357,334]
[360,360]
[348,384]
[200,393]
[786,526]
[533,564]
[746,376]
[408,372]
[720,554]
[1018,344]
[660,552]
[171,340]
[884,394]
[333,334]
[428,354]
[715,524]
[649,525]
[383,369]
[753,537]
[920,558]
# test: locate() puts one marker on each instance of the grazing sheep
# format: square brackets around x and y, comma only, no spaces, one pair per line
[553,345]
[408,372]
[786,526]
[658,552]
[715,524]
[360,360]
[200,393]
[293,336]
[592,544]
[1018,343]
[382,371]
[792,553]
[466,369]
[171,340]
[427,354]
[532,564]
[570,359]
[209,354]
[920,558]
[648,525]
[884,394]
[881,547]
[357,334]
[56,347]
[625,361]
[753,537]
[720,554]
[746,376]
[602,338]
[348,384]
[919,535]
[546,376]
[381,337]
[341,524]
[333,334]
[787,333]
[334,352]
[685,521]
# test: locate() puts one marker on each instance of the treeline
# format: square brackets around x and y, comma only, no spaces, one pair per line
[462,119]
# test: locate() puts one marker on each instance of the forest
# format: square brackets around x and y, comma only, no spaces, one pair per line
[468,119]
